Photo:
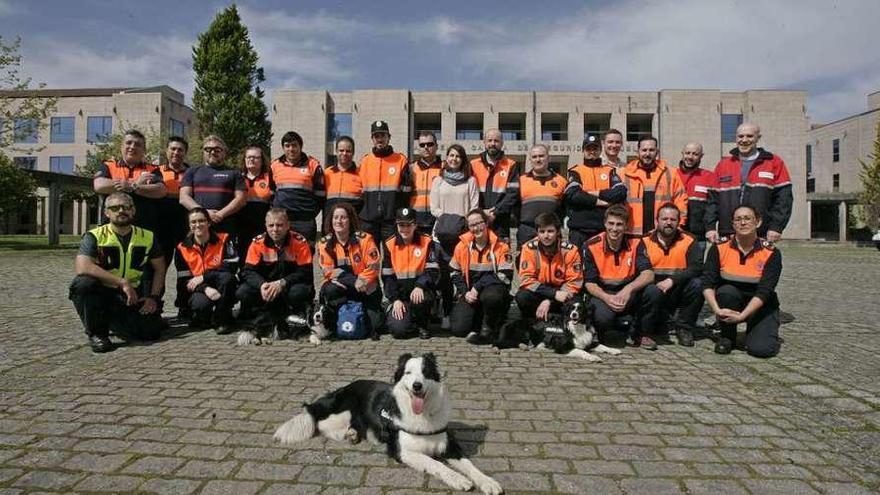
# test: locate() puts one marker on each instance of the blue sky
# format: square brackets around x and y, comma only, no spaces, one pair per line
[826,48]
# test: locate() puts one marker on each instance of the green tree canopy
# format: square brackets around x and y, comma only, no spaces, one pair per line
[227,98]
[870,195]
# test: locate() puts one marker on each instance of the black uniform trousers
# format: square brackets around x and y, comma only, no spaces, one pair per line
[491,310]
[637,318]
[762,328]
[294,299]
[102,308]
[415,316]
[204,310]
[686,296]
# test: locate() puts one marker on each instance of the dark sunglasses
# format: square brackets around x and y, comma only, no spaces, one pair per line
[212,149]
[427,145]
[118,208]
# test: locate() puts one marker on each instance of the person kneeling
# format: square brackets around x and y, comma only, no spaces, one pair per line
[616,269]
[108,290]
[677,261]
[277,278]
[739,283]
[550,272]
[409,274]
[481,272]
[350,264]
[206,263]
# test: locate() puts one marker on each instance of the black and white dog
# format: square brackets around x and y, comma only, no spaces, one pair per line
[409,416]
[572,334]
[318,325]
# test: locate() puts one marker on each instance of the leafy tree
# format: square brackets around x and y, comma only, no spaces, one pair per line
[870,195]
[23,113]
[18,187]
[227,99]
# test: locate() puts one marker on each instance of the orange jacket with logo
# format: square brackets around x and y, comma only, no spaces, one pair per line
[499,184]
[171,178]
[259,189]
[540,195]
[647,190]
[299,187]
[267,261]
[193,260]
[423,175]
[343,186]
[586,185]
[680,260]
[407,265]
[755,272]
[475,268]
[613,270]
[387,184]
[545,275]
[358,259]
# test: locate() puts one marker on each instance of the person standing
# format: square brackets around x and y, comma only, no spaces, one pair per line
[342,180]
[173,225]
[650,183]
[424,171]
[612,143]
[498,178]
[697,182]
[219,190]
[387,184]
[541,191]
[299,186]
[260,187]
[592,187]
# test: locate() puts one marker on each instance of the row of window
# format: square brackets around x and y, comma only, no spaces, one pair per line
[58,164]
[61,129]
[554,126]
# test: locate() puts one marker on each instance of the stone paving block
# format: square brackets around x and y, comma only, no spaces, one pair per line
[662,469]
[204,452]
[628,452]
[530,482]
[842,489]
[399,477]
[567,483]
[204,437]
[266,471]
[40,459]
[298,489]
[50,480]
[96,463]
[778,487]
[154,465]
[713,487]
[259,453]
[8,474]
[107,483]
[102,445]
[161,486]
[650,486]
[603,467]
[206,469]
[223,487]
[332,475]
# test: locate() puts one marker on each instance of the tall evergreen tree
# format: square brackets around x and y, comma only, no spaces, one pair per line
[227,98]
[870,195]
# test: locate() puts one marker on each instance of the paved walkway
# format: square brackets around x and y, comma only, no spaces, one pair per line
[195,414]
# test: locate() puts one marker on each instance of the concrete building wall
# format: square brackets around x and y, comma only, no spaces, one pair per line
[856,137]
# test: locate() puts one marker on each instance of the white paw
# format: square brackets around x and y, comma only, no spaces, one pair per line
[266,340]
[352,436]
[592,358]
[314,339]
[523,347]
[457,481]
[613,351]
[247,338]
[490,487]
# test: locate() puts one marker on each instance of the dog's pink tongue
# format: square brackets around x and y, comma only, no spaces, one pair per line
[418,404]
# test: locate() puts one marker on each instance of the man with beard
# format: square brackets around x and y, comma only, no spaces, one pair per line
[386,181]
[616,269]
[754,177]
[107,291]
[299,186]
[650,183]
[498,179]
[677,261]
[697,182]
[221,191]
[592,187]
[173,227]
[132,174]
[424,171]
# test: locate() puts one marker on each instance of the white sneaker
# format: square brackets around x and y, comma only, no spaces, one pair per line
[445,325]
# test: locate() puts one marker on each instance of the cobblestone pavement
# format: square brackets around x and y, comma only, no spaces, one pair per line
[193,413]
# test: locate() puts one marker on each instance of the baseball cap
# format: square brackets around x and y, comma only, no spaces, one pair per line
[405,215]
[379,126]
[591,140]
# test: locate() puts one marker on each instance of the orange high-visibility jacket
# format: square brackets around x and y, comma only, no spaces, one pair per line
[545,275]
[647,190]
[359,258]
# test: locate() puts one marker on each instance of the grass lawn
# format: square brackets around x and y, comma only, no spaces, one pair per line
[36,242]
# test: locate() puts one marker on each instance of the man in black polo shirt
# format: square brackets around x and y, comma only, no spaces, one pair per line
[219,190]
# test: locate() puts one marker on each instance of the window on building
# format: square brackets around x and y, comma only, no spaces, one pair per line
[61,164]
[338,124]
[809,160]
[729,123]
[99,129]
[61,130]
[469,126]
[25,131]
[554,127]
[512,126]
[639,125]
[835,183]
[811,185]
[25,162]
[176,127]
[596,124]
[835,150]
[427,122]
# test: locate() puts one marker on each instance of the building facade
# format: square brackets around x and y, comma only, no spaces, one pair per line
[559,120]
[82,119]
[834,154]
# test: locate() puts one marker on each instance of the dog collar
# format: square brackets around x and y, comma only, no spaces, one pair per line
[394,425]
